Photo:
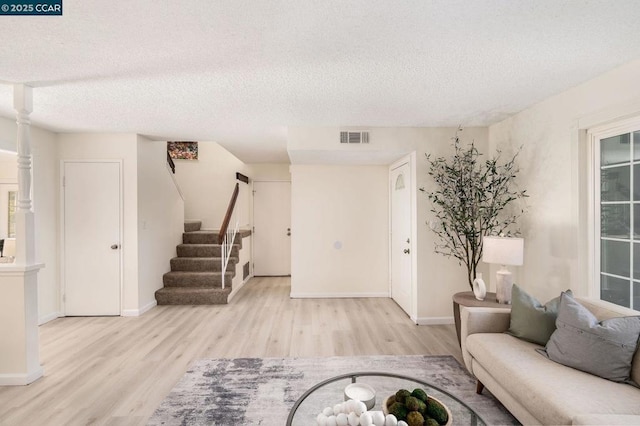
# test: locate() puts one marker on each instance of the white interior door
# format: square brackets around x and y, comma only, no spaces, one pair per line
[271,228]
[91,192]
[400,180]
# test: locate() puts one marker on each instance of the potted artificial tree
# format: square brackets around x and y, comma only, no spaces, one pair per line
[472,198]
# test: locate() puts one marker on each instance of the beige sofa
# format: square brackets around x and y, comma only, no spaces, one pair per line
[537,390]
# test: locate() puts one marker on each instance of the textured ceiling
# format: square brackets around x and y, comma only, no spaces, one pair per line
[239,72]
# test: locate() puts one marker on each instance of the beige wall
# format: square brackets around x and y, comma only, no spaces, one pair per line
[160,220]
[207,184]
[554,172]
[46,196]
[266,172]
[346,205]
[438,278]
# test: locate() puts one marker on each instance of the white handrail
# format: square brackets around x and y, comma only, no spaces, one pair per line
[227,247]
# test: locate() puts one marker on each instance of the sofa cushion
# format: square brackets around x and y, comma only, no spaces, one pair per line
[604,348]
[530,320]
[553,392]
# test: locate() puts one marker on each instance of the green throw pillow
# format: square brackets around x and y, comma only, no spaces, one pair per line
[530,320]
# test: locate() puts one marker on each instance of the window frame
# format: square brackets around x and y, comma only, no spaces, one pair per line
[594,136]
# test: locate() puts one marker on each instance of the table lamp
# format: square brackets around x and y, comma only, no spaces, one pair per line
[503,251]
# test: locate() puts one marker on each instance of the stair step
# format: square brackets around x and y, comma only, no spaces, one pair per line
[192,296]
[204,250]
[200,237]
[205,237]
[209,264]
[192,225]
[197,279]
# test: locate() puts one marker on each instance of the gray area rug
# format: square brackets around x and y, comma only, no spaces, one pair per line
[261,391]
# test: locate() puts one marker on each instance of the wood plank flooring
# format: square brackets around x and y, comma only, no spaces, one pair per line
[116,371]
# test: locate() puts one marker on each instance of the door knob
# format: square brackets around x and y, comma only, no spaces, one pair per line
[115,246]
[406,251]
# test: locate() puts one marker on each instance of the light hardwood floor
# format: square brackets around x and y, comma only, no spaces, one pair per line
[116,371]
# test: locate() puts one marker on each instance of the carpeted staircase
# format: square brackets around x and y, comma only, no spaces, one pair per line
[196,277]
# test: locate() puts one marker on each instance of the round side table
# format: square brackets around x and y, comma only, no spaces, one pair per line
[467,298]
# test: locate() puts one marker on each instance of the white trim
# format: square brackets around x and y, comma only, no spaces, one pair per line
[138,312]
[62,228]
[50,317]
[615,125]
[18,270]
[434,321]
[21,379]
[336,295]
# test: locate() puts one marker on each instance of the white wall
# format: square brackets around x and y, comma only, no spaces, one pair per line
[160,220]
[45,165]
[207,184]
[346,205]
[554,169]
[438,277]
[80,146]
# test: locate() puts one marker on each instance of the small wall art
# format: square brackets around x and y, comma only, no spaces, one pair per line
[183,150]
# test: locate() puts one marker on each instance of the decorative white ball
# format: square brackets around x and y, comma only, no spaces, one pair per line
[402,423]
[331,421]
[377,417]
[321,420]
[390,420]
[365,419]
[353,418]
[351,405]
[328,411]
[360,407]
[337,409]
[341,419]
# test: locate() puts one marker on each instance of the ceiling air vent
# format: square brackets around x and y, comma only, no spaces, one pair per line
[354,137]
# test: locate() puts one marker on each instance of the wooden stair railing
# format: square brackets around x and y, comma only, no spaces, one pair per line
[227,237]
[171,163]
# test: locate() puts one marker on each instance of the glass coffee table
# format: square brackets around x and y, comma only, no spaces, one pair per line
[331,392]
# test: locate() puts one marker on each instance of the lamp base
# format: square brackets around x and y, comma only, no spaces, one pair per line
[504,284]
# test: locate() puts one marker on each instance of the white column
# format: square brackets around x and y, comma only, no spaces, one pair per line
[25,242]
[19,338]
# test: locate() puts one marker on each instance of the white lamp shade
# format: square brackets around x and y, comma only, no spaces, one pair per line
[503,250]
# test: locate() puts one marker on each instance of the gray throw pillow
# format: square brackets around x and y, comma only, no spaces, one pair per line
[530,320]
[604,348]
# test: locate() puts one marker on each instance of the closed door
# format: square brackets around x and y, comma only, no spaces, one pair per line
[400,181]
[92,238]
[272,228]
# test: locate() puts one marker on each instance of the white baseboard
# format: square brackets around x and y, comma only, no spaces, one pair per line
[237,288]
[434,321]
[20,379]
[138,312]
[336,295]
[49,317]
